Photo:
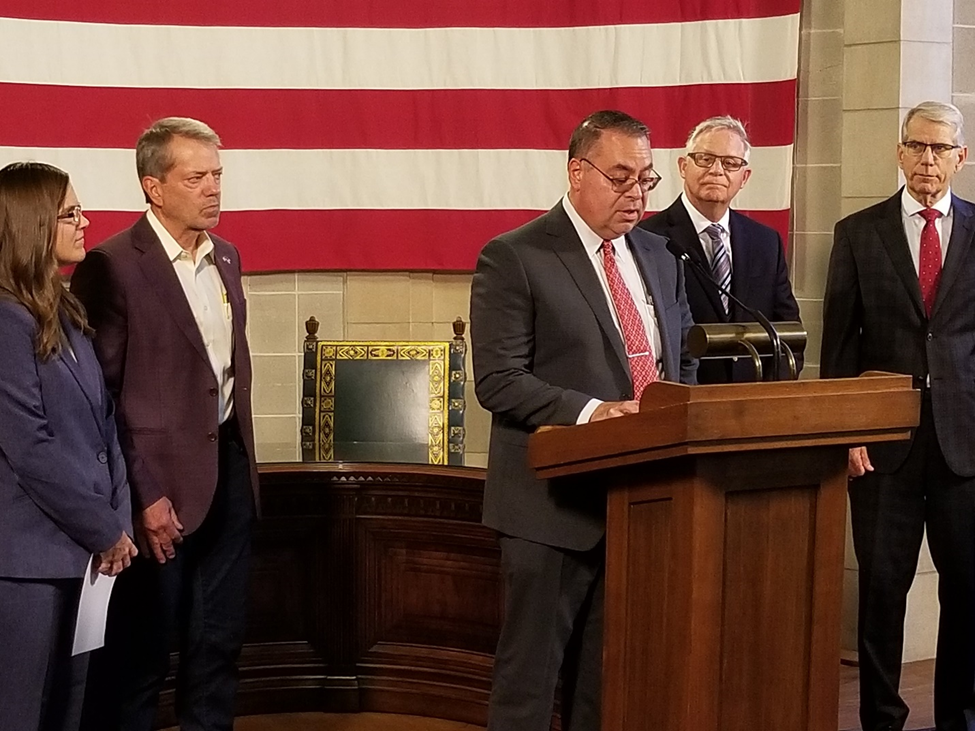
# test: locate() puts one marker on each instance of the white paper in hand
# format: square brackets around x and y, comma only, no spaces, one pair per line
[96,590]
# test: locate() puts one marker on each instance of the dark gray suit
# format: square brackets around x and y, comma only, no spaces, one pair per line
[873,318]
[544,343]
[63,497]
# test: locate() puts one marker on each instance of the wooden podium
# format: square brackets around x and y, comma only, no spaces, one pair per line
[724,546]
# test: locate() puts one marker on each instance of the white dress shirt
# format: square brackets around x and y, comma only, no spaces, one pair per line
[701,222]
[207,297]
[913,223]
[593,242]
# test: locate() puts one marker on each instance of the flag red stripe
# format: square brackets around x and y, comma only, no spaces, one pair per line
[384,239]
[66,116]
[394,13]
[779,220]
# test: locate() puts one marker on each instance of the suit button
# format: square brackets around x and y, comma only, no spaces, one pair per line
[212,437]
[103,457]
[930,336]
[213,392]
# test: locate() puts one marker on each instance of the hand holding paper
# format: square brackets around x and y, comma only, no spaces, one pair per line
[116,558]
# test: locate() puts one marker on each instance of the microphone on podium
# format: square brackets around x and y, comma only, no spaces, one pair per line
[693,258]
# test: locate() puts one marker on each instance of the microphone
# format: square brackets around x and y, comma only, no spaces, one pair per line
[693,259]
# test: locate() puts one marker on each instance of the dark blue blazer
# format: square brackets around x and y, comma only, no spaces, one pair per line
[759,278]
[63,488]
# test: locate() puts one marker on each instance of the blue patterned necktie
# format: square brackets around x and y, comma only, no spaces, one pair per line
[720,261]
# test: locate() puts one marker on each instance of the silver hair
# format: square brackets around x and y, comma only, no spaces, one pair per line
[940,113]
[721,122]
[152,156]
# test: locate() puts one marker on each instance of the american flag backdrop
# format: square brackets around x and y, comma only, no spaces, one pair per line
[388,134]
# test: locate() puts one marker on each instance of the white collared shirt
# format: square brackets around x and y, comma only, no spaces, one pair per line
[701,222]
[207,298]
[913,223]
[630,272]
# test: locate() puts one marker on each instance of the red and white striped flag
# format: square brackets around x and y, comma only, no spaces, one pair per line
[383,134]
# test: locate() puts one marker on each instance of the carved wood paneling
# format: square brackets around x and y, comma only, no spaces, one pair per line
[373,588]
[428,584]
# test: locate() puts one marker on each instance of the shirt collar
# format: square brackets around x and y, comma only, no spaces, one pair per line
[171,247]
[912,207]
[700,221]
[592,241]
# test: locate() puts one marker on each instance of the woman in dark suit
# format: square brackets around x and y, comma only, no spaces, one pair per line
[63,491]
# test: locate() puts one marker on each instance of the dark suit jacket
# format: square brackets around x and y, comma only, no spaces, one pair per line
[759,278]
[157,368]
[874,319]
[544,344]
[63,492]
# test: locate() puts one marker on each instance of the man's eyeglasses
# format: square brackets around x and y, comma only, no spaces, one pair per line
[73,216]
[622,185]
[729,163]
[939,149]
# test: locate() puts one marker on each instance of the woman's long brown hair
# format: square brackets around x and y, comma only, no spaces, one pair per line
[31,196]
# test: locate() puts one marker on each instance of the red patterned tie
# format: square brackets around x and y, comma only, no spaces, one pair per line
[929,265]
[643,364]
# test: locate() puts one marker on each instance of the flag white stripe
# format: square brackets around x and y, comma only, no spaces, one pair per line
[702,52]
[400,179]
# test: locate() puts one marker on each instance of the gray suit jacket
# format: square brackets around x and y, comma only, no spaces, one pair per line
[874,319]
[544,344]
[63,489]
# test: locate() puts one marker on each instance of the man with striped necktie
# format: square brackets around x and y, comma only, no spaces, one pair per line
[744,256]
[572,316]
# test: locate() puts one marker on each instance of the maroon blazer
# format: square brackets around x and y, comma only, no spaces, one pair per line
[157,369]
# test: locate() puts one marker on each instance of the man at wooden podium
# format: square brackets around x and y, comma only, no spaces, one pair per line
[900,296]
[572,316]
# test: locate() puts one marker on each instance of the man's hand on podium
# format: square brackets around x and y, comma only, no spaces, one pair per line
[611,409]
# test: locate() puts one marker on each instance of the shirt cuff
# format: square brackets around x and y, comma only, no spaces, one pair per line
[587,410]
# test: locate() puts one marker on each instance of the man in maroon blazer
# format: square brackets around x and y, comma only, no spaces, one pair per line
[166,301]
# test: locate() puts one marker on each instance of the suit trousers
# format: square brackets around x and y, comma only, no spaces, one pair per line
[889,513]
[41,685]
[199,597]
[553,619]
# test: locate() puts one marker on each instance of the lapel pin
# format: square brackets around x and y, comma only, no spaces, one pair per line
[226,259]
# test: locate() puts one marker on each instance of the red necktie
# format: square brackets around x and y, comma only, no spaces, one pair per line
[929,264]
[643,364]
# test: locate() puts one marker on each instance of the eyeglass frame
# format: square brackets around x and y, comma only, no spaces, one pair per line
[74,216]
[718,158]
[624,185]
[948,149]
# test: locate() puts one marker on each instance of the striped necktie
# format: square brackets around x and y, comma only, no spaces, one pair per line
[720,261]
[643,363]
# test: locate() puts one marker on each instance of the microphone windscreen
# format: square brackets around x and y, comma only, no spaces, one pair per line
[676,249]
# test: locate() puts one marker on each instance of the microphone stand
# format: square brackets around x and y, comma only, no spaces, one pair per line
[685,256]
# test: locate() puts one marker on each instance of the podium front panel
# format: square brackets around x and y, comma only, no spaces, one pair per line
[723,581]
